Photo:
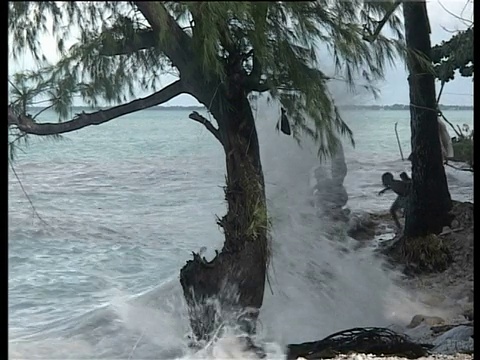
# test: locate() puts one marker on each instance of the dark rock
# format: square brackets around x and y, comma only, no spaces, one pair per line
[361,227]
[456,340]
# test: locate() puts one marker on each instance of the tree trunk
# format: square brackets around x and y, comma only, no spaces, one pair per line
[429,202]
[230,288]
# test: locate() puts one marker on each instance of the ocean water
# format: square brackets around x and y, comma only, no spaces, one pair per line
[122,206]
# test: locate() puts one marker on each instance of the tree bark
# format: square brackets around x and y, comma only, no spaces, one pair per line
[27,123]
[430,201]
[230,288]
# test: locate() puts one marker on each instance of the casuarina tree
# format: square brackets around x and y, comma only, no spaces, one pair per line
[429,202]
[220,53]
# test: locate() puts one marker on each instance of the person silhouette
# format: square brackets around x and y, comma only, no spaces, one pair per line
[399,187]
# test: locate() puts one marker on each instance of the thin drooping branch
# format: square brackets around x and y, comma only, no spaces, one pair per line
[144,39]
[202,120]
[35,212]
[28,125]
[465,21]
[459,134]
[371,37]
[458,168]
[44,109]
[441,113]
[17,138]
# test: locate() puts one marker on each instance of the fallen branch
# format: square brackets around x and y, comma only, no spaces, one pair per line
[208,125]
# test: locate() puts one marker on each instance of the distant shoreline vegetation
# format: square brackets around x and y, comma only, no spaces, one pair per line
[401,107]
[77,109]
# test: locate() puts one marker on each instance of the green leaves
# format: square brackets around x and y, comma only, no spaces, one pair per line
[120,49]
[454,54]
[83,71]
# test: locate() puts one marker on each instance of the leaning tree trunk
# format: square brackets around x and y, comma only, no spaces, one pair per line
[430,202]
[230,288]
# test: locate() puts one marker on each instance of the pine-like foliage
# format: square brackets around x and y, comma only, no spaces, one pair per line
[121,50]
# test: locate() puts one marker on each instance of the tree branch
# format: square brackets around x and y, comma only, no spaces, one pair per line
[35,212]
[178,49]
[459,134]
[458,168]
[28,125]
[465,21]
[202,120]
[145,39]
[261,9]
[373,36]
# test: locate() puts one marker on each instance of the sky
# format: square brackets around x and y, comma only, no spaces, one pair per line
[444,19]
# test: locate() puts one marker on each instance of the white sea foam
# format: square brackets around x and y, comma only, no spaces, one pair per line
[137,230]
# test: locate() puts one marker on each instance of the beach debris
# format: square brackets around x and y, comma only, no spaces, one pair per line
[369,340]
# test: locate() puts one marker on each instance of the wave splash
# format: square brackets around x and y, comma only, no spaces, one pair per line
[319,285]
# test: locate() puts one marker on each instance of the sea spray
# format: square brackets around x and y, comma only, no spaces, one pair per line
[319,284]
[142,226]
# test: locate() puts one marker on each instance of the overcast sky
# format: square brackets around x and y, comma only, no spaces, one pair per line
[394,89]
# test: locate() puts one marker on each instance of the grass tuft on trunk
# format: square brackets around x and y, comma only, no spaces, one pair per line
[428,254]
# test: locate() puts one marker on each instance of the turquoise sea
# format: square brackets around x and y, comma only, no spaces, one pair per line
[123,204]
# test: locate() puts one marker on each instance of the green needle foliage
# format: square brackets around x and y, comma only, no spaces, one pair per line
[120,51]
